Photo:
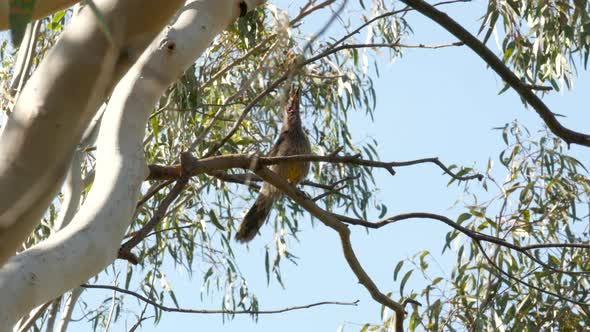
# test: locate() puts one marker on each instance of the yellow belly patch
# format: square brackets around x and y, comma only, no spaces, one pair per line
[295,173]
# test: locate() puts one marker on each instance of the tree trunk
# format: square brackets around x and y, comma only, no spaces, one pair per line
[58,102]
[91,241]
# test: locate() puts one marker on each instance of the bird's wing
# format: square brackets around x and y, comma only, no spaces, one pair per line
[276,147]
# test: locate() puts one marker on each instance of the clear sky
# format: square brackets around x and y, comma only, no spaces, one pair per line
[440,103]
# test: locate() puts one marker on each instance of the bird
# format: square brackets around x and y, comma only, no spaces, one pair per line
[292,140]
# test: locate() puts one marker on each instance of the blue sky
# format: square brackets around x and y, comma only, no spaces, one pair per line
[440,103]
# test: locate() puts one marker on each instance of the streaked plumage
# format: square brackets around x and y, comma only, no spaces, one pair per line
[292,140]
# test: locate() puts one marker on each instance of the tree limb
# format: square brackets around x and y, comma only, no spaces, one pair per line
[87,65]
[223,162]
[68,310]
[475,235]
[90,242]
[332,222]
[502,70]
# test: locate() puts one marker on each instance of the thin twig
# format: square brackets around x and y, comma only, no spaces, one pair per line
[289,73]
[520,281]
[25,326]
[305,11]
[152,192]
[384,15]
[125,250]
[229,312]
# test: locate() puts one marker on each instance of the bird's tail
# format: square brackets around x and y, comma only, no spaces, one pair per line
[255,218]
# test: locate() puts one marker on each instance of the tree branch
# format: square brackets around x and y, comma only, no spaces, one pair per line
[217,163]
[31,172]
[229,312]
[68,309]
[329,220]
[476,236]
[502,70]
[90,242]
[38,312]
[248,178]
[307,10]
[125,250]
[384,45]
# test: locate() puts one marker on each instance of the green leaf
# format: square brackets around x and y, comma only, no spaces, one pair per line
[174,298]
[383,211]
[267,266]
[463,217]
[208,274]
[55,24]
[506,87]
[493,21]
[215,221]
[423,263]
[404,280]
[398,267]
[154,123]
[436,281]
[414,321]
[128,276]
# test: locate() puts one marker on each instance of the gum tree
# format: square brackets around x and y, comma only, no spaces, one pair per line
[155,132]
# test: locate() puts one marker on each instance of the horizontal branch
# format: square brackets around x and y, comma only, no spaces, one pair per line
[471,233]
[224,162]
[191,166]
[474,235]
[381,45]
[228,312]
[245,179]
[502,70]
[249,178]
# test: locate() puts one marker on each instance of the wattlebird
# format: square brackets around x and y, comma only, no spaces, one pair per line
[292,141]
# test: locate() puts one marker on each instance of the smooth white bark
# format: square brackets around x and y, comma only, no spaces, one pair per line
[24,58]
[68,310]
[52,316]
[91,241]
[59,100]
[73,184]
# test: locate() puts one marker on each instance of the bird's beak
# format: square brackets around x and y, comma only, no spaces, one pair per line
[294,100]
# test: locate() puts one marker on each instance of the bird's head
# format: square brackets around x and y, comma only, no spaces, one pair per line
[292,109]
